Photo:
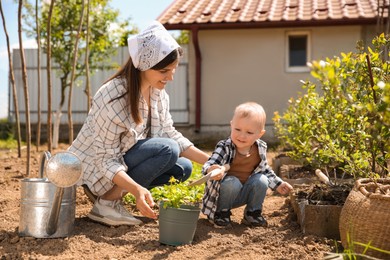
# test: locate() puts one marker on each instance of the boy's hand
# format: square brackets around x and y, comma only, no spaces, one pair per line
[218,171]
[284,188]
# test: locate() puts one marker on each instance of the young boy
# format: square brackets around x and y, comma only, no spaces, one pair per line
[246,181]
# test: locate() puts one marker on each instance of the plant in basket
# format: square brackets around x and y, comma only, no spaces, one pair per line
[342,126]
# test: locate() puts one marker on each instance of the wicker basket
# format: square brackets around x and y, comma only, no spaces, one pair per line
[365,218]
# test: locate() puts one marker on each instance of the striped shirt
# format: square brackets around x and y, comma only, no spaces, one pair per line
[224,153]
[109,131]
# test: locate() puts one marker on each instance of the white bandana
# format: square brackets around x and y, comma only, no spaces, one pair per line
[151,46]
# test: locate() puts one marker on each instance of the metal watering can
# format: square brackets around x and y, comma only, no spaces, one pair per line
[48,204]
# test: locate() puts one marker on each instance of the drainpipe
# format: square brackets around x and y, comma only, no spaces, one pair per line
[198,67]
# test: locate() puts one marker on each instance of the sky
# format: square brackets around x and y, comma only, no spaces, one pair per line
[141,12]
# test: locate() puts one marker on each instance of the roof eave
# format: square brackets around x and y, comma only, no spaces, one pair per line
[269,24]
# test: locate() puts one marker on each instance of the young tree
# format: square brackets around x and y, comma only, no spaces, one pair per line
[25,87]
[38,136]
[12,77]
[184,37]
[87,89]
[70,121]
[102,45]
[48,61]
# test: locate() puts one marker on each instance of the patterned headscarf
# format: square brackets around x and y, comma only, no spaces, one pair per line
[151,46]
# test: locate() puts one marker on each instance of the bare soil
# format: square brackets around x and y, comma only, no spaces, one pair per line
[282,239]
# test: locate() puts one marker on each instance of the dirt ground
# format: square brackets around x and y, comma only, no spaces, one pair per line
[282,239]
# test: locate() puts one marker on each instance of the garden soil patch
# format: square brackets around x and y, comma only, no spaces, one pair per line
[282,239]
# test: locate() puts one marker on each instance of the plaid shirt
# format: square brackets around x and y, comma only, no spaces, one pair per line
[109,131]
[224,153]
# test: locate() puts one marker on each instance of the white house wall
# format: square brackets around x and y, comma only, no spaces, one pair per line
[249,65]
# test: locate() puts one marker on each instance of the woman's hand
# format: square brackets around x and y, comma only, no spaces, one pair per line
[143,197]
[145,203]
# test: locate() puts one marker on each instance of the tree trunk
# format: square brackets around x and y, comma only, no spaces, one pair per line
[25,87]
[388,20]
[12,77]
[56,126]
[87,80]
[58,114]
[49,88]
[38,135]
[72,77]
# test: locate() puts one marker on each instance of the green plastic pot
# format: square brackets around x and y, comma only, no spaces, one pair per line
[177,226]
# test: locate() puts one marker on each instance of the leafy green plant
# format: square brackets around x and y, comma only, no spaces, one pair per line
[342,122]
[177,193]
[7,140]
[10,143]
[6,129]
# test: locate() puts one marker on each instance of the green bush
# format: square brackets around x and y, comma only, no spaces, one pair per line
[6,129]
[342,122]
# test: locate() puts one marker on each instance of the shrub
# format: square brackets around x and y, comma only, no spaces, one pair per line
[6,129]
[342,122]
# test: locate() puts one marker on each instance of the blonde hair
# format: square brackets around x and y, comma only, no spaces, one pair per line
[251,109]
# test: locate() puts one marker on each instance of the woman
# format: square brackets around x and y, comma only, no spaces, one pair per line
[128,142]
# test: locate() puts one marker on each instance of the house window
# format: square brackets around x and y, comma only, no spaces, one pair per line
[298,51]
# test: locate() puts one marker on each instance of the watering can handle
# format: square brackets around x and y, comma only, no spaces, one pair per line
[44,158]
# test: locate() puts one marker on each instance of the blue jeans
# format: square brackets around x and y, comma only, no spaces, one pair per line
[234,194]
[151,162]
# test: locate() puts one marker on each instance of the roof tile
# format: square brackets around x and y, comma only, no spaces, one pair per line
[260,11]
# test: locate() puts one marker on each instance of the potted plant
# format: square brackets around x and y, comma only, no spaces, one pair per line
[178,204]
[178,211]
[318,207]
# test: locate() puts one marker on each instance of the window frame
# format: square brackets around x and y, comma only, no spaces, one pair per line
[308,51]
